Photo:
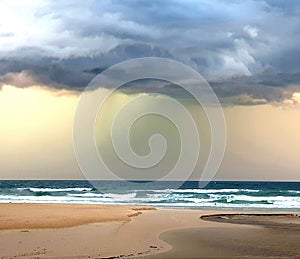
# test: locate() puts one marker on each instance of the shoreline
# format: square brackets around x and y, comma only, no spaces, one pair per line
[203,208]
[115,231]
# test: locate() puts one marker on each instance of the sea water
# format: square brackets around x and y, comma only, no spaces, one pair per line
[216,194]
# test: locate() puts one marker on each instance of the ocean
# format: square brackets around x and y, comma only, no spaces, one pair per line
[216,195]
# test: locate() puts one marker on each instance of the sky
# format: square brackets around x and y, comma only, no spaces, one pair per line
[248,51]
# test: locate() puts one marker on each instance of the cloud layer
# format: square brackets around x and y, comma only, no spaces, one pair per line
[244,48]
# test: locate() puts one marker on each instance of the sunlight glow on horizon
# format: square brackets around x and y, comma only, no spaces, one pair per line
[36,136]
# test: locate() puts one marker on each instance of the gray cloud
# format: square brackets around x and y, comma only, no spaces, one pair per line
[244,48]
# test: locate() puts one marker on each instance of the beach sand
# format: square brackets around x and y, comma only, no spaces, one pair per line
[103,231]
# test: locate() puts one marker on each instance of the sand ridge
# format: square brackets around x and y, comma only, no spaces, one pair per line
[36,215]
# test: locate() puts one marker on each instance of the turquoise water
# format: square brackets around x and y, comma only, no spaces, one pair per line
[248,195]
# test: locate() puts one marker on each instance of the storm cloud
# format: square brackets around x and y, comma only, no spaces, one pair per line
[248,50]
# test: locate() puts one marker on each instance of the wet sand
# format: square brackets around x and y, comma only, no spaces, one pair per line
[247,236]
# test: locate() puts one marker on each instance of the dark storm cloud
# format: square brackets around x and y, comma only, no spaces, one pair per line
[72,72]
[244,48]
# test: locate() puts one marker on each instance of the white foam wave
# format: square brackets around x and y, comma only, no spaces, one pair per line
[203,190]
[293,191]
[55,189]
[256,198]
[126,196]
[85,194]
[107,195]
[224,198]
[196,203]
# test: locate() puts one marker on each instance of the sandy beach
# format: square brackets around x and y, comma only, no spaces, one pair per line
[103,231]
